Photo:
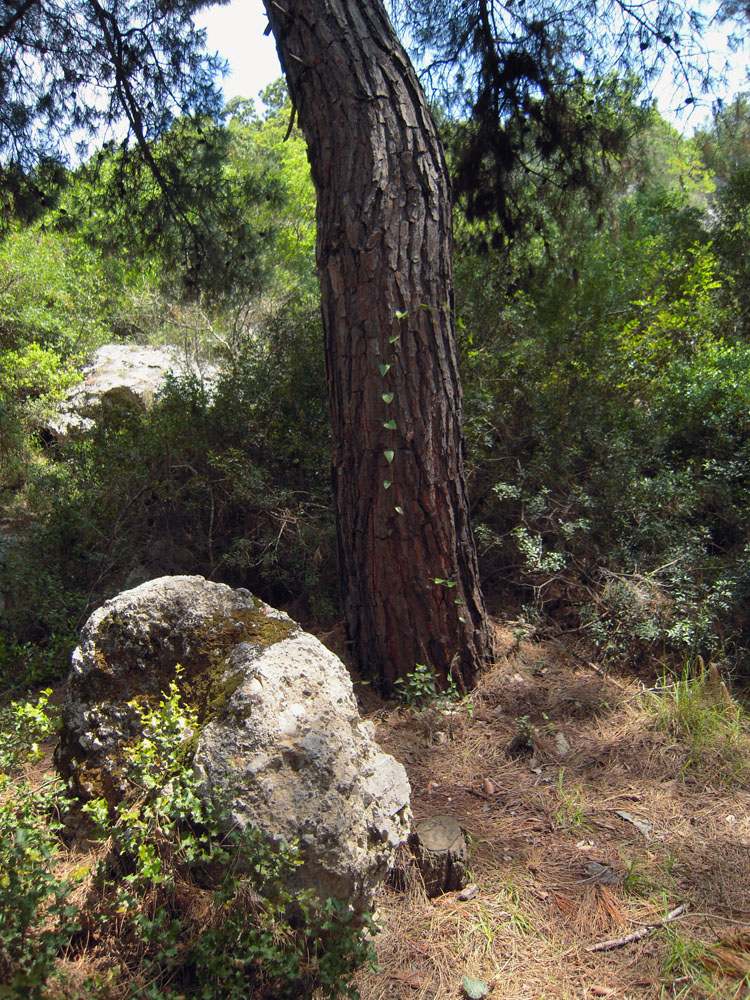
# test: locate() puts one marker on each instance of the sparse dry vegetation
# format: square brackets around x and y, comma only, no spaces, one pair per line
[559,867]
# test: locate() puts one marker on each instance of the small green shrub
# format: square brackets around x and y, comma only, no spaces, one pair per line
[419,687]
[36,920]
[697,709]
[168,842]
[23,724]
[163,844]
[688,968]
[422,688]
[571,812]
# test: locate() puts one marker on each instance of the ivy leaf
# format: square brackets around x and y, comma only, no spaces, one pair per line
[390,425]
[384,369]
[387,483]
[474,989]
[399,510]
[388,455]
[394,338]
[387,397]
[401,315]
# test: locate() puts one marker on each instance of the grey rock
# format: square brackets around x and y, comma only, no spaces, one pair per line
[127,654]
[280,739]
[470,892]
[642,825]
[597,872]
[126,376]
[562,747]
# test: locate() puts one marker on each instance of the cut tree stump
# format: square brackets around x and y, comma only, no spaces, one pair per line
[439,847]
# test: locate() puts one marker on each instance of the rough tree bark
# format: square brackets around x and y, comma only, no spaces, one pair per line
[407,559]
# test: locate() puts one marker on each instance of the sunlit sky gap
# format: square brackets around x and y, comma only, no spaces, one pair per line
[236,32]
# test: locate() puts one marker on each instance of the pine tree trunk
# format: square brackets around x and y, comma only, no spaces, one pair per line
[407,559]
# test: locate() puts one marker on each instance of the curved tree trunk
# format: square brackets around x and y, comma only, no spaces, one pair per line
[406,555]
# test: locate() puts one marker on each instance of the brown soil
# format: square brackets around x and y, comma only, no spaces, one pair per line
[537,815]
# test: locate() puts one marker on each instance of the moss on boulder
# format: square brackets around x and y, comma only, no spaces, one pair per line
[127,657]
[279,740]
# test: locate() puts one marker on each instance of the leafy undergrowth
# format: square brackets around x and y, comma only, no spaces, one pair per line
[598,812]
[158,896]
[593,808]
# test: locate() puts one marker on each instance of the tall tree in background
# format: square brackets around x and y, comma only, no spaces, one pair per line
[526,81]
[70,69]
[406,556]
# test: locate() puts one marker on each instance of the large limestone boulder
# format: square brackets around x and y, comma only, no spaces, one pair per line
[279,735]
[127,376]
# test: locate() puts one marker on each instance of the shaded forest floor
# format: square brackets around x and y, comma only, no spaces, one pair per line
[593,807]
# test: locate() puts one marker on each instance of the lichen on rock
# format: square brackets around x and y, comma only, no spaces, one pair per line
[127,657]
[279,736]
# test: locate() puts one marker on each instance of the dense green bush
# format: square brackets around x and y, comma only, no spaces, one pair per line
[59,300]
[232,486]
[607,418]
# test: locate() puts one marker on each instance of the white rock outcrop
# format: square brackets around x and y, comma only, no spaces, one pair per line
[280,737]
[125,375]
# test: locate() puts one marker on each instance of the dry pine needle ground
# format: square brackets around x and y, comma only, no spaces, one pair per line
[553,769]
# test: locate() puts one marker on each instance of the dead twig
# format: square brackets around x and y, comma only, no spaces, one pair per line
[604,675]
[637,935]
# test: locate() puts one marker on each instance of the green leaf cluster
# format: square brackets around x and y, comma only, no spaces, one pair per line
[36,919]
[606,380]
[165,843]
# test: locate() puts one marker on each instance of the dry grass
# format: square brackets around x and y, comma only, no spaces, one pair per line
[553,811]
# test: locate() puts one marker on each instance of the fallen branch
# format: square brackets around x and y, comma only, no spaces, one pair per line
[637,935]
